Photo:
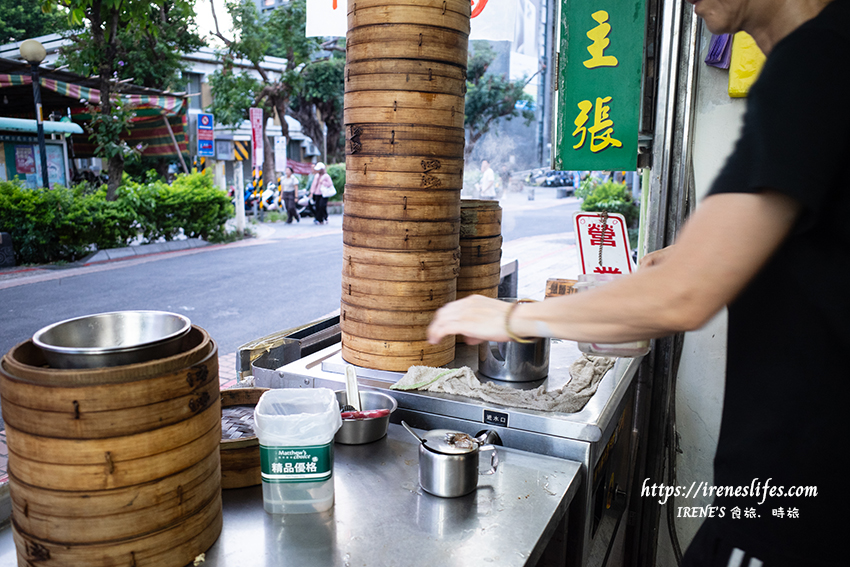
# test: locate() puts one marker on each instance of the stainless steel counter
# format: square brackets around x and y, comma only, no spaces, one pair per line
[382,517]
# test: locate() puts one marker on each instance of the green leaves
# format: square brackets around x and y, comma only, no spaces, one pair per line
[62,224]
[609,196]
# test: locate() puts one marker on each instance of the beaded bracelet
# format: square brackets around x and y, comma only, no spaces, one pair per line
[510,333]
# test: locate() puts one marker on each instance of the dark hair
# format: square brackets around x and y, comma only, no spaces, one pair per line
[288,168]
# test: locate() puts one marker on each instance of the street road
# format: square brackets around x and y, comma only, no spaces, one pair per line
[287,277]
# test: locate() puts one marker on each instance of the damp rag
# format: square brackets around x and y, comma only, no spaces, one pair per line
[585,373]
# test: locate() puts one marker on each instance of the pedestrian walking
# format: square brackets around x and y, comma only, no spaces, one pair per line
[321,190]
[289,190]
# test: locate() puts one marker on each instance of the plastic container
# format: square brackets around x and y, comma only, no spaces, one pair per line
[624,350]
[296,429]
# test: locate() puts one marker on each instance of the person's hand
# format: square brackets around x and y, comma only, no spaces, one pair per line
[656,258]
[477,318]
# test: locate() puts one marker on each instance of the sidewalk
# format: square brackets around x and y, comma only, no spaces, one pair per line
[540,258]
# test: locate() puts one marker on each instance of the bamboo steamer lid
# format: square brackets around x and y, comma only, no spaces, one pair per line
[489,292]
[240,447]
[417,268]
[116,462]
[397,363]
[405,75]
[403,164]
[175,546]
[109,515]
[408,333]
[452,14]
[407,41]
[383,317]
[420,141]
[400,205]
[26,362]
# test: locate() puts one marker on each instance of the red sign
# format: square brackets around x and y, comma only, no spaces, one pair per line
[603,243]
[256,116]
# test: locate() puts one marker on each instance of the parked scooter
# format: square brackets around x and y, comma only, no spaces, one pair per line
[306,206]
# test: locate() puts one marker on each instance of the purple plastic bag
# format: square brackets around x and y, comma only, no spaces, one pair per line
[719,51]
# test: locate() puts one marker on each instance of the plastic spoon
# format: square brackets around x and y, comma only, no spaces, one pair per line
[352,392]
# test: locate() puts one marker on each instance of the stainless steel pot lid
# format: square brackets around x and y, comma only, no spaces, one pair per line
[450,442]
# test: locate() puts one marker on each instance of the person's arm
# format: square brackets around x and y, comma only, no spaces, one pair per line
[721,248]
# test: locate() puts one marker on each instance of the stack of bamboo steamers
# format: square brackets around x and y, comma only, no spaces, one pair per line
[404,110]
[115,465]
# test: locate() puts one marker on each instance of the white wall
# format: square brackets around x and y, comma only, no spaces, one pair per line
[700,384]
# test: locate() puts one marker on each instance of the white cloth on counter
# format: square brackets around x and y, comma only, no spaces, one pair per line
[585,373]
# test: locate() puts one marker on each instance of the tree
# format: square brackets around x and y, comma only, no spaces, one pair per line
[489,97]
[320,100]
[19,21]
[104,21]
[279,34]
[150,57]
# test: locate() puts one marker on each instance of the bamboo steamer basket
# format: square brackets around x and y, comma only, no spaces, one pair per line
[400,107]
[401,242]
[480,250]
[425,302]
[372,331]
[407,41]
[480,230]
[395,228]
[356,163]
[434,180]
[93,517]
[240,447]
[175,546]
[396,363]
[399,266]
[110,410]
[405,75]
[399,205]
[475,211]
[451,14]
[474,283]
[384,317]
[420,141]
[395,348]
[353,286]
[116,462]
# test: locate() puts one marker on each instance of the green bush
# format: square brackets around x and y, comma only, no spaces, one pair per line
[614,198]
[64,224]
[337,173]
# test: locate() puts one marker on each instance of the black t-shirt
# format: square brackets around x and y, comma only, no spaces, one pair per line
[788,373]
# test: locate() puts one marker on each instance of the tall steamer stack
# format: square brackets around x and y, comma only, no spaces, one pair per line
[405,81]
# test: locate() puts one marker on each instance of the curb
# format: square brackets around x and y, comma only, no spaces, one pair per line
[141,250]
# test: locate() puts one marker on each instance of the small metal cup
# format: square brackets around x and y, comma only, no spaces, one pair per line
[360,431]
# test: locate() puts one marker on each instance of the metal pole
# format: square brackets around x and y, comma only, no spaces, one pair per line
[42,149]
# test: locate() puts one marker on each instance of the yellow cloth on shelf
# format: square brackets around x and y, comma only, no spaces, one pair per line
[745,65]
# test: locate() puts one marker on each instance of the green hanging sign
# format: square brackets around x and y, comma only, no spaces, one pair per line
[599,85]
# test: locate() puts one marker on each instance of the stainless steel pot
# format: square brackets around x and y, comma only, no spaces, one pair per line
[449,463]
[514,362]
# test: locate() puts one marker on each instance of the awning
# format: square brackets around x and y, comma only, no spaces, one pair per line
[24,125]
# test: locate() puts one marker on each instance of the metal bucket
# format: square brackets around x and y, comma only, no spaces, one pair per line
[514,362]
